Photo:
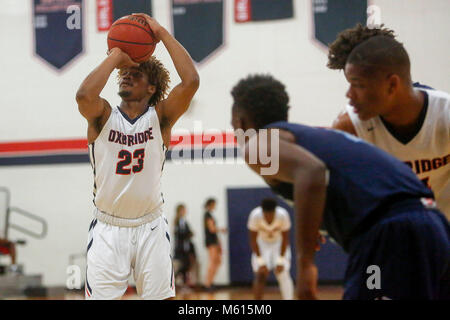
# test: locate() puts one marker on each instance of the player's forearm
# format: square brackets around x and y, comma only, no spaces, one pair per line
[255,249]
[97,79]
[181,59]
[254,245]
[284,245]
[309,199]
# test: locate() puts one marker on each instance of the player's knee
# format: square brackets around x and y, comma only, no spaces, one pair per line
[261,275]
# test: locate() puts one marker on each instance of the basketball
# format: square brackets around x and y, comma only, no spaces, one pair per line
[132,35]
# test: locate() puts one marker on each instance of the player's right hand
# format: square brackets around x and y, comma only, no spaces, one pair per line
[123,59]
[263,269]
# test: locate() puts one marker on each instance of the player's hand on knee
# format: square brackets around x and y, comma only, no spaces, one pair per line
[279,269]
[263,270]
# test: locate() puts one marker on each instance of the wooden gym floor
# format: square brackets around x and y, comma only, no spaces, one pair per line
[238,293]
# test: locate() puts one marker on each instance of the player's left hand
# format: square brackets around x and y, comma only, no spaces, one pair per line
[307,282]
[279,269]
[154,25]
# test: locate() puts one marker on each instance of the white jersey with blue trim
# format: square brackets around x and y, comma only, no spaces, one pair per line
[427,153]
[269,232]
[127,159]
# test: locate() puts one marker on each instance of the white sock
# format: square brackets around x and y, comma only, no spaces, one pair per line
[286,285]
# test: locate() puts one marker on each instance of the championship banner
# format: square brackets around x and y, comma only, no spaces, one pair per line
[333,16]
[198,26]
[109,11]
[260,10]
[58,30]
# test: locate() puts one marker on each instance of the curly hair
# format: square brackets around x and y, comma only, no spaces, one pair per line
[158,76]
[348,39]
[263,98]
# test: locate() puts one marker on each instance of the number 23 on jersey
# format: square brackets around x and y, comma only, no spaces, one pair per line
[127,158]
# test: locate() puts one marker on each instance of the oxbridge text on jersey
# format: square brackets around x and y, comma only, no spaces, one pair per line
[129,139]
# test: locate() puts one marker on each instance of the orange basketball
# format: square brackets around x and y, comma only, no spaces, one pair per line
[133,35]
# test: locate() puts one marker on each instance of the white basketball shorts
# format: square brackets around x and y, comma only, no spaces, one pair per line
[270,252]
[113,252]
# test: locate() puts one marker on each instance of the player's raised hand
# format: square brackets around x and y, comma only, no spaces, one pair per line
[307,282]
[123,60]
[154,25]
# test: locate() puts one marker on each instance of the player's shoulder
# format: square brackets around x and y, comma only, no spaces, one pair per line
[344,122]
[256,212]
[438,113]
[255,216]
[438,99]
[282,212]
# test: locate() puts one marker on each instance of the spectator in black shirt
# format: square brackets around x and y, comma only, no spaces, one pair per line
[212,242]
[184,248]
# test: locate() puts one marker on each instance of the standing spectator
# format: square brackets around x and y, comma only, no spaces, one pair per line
[184,248]
[212,242]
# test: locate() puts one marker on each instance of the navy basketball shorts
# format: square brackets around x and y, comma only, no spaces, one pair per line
[404,256]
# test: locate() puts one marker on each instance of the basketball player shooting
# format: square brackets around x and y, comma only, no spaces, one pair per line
[369,202]
[410,121]
[127,150]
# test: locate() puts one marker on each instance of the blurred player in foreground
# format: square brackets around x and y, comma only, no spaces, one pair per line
[269,227]
[127,147]
[369,202]
[409,121]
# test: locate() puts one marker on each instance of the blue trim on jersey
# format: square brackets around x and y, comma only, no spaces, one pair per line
[93,224]
[132,121]
[87,284]
[90,245]
[424,86]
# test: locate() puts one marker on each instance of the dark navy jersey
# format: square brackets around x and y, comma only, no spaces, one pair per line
[364,181]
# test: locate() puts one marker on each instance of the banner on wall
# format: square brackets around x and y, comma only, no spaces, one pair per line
[109,11]
[58,30]
[260,10]
[333,16]
[198,26]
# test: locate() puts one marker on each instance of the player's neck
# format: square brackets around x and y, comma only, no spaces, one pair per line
[405,113]
[133,109]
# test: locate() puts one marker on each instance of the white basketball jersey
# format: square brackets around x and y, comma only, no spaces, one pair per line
[428,153]
[128,158]
[269,232]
